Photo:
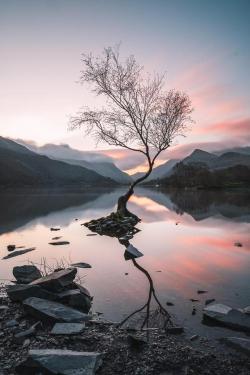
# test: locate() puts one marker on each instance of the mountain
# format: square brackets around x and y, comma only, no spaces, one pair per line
[99,163]
[159,172]
[22,167]
[212,161]
[240,150]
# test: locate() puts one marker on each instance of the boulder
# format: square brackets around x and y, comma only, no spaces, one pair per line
[20,292]
[58,361]
[26,274]
[53,311]
[238,343]
[226,316]
[57,281]
[75,298]
[68,328]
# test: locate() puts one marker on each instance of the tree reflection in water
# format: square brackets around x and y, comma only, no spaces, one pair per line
[158,316]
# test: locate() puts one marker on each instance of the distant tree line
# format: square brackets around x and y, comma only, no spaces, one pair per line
[199,176]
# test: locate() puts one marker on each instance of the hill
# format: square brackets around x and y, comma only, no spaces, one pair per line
[22,167]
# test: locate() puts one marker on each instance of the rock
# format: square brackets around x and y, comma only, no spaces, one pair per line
[20,337]
[75,298]
[201,291]
[81,265]
[11,323]
[53,311]
[57,281]
[68,328]
[238,343]
[58,361]
[4,308]
[58,243]
[26,343]
[194,311]
[175,330]
[83,290]
[194,300]
[208,301]
[238,244]
[194,337]
[131,252]
[20,292]
[56,238]
[246,310]
[26,274]
[169,303]
[11,247]
[54,229]
[227,316]
[136,342]
[19,252]
[91,234]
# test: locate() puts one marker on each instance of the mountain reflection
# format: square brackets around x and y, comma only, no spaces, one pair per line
[21,207]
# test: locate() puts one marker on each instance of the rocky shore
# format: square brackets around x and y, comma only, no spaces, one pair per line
[48,327]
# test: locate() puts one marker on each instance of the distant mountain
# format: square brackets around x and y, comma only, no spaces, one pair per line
[99,163]
[240,150]
[212,161]
[159,172]
[22,167]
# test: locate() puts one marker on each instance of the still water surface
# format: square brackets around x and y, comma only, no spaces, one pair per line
[187,239]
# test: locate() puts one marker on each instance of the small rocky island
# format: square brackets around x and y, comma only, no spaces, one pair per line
[48,327]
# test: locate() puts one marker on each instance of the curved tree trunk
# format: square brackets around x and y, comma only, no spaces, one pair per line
[123,200]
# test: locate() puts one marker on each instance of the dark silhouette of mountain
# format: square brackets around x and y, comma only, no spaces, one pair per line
[94,161]
[22,167]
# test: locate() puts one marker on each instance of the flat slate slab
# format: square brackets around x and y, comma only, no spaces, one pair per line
[20,292]
[132,252]
[63,362]
[57,281]
[67,328]
[81,265]
[26,274]
[19,252]
[238,343]
[53,311]
[228,317]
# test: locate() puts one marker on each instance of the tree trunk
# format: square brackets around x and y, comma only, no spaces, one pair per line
[123,200]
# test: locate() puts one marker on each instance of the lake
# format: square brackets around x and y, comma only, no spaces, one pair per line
[187,238]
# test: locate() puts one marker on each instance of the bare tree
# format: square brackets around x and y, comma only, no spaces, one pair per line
[139,114]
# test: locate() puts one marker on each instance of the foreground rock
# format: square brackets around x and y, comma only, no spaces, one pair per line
[57,361]
[68,328]
[75,298]
[226,316]
[57,281]
[26,274]
[19,252]
[238,343]
[20,292]
[53,311]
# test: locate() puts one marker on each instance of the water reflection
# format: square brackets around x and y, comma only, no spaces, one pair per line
[197,253]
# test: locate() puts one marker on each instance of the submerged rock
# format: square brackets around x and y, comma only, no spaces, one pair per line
[68,328]
[57,281]
[63,362]
[58,243]
[26,274]
[53,311]
[19,252]
[54,229]
[81,265]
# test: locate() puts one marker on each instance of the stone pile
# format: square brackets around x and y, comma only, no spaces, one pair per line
[114,225]
[52,299]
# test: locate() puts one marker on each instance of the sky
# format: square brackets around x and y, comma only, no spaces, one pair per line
[203,46]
